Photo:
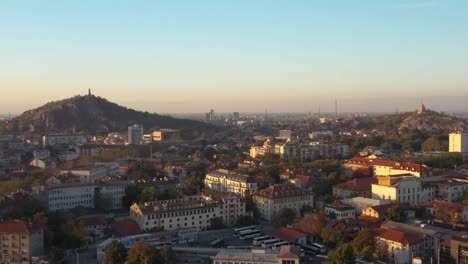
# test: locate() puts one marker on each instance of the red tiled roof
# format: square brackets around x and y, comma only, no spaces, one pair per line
[357,184]
[383,208]
[126,227]
[459,207]
[289,252]
[306,179]
[288,234]
[280,191]
[398,236]
[93,221]
[338,204]
[16,227]
[398,165]
[360,161]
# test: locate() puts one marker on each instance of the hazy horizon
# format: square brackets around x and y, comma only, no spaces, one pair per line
[190,56]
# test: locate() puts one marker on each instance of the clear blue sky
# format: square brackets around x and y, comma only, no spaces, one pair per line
[232,55]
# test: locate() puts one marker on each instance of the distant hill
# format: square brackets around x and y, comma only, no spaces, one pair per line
[430,120]
[95,115]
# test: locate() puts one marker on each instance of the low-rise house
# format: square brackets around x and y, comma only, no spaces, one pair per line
[125,227]
[450,212]
[404,240]
[290,235]
[94,224]
[286,255]
[340,210]
[357,187]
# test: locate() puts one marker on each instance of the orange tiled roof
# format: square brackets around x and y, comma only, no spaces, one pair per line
[281,191]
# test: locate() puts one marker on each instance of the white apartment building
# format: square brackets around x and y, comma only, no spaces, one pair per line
[53,140]
[93,172]
[69,196]
[311,151]
[188,212]
[458,142]
[407,189]
[271,200]
[228,181]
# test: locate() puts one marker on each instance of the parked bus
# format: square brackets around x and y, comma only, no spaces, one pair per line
[237,230]
[217,243]
[268,243]
[247,234]
[259,240]
[239,247]
[321,248]
[279,244]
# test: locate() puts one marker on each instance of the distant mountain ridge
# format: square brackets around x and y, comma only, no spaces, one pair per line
[94,115]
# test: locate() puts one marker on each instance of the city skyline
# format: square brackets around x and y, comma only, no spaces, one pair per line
[187,56]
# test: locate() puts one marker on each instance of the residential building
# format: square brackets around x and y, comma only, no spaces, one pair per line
[59,139]
[69,196]
[340,210]
[266,148]
[357,187]
[321,134]
[90,150]
[286,255]
[228,181]
[271,200]
[458,142]
[459,249]
[360,203]
[20,240]
[135,134]
[311,151]
[378,212]
[403,189]
[188,212]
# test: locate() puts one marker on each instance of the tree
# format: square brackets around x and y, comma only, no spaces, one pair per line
[305,209]
[147,194]
[143,253]
[395,213]
[115,253]
[167,254]
[285,217]
[131,195]
[216,223]
[313,223]
[364,244]
[344,254]
[40,218]
[330,237]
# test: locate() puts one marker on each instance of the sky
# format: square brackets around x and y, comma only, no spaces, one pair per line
[181,56]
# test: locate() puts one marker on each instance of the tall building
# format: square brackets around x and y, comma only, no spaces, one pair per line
[236,116]
[20,240]
[135,134]
[458,142]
